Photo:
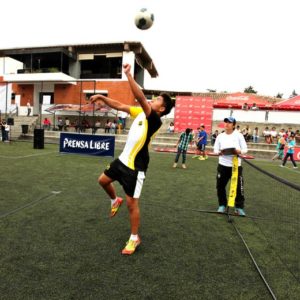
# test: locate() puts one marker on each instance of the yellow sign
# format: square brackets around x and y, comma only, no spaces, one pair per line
[233,181]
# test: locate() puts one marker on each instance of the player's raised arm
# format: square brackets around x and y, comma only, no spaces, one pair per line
[137,92]
[100,99]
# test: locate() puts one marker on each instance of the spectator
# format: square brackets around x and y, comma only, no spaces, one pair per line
[120,125]
[238,129]
[246,133]
[97,126]
[288,132]
[267,115]
[123,117]
[281,133]
[245,106]
[60,123]
[255,135]
[214,136]
[28,109]
[67,123]
[77,126]
[297,136]
[273,134]
[267,135]
[171,128]
[84,125]
[5,131]
[254,107]
[113,127]
[46,124]
[107,126]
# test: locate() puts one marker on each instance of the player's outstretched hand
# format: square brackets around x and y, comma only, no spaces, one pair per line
[126,68]
[98,99]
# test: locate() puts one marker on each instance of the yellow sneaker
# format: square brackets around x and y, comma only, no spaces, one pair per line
[131,246]
[115,207]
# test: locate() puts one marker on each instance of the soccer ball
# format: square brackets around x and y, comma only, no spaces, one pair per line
[144,19]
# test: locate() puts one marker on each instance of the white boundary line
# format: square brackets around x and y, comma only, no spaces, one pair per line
[32,203]
[25,156]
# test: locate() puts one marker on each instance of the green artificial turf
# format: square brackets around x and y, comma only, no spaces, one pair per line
[57,241]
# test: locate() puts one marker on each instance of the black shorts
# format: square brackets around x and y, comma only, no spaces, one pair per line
[131,180]
[201,147]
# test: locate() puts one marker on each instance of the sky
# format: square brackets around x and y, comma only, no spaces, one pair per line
[225,45]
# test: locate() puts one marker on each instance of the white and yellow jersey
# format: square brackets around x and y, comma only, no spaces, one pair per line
[135,154]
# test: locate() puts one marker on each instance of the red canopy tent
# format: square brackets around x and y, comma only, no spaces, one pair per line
[289,104]
[237,100]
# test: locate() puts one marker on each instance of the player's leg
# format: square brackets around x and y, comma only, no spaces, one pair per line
[204,152]
[112,173]
[223,176]
[240,199]
[183,159]
[133,188]
[202,147]
[293,161]
[134,217]
[176,158]
[107,184]
[134,214]
[197,153]
[285,159]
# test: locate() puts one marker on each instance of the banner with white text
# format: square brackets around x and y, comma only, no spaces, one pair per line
[87,144]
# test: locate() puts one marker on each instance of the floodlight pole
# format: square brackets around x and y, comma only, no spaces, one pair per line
[94,129]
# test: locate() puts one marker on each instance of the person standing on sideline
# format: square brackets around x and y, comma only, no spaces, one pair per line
[130,168]
[201,143]
[255,135]
[3,131]
[229,144]
[28,109]
[213,137]
[182,145]
[290,151]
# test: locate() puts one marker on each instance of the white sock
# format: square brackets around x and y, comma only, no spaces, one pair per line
[134,237]
[113,201]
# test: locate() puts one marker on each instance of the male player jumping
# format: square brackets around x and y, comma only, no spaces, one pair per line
[130,168]
[229,144]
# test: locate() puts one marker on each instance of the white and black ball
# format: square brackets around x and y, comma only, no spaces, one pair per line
[144,19]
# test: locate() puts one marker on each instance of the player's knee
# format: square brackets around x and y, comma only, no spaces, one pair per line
[101,180]
[132,204]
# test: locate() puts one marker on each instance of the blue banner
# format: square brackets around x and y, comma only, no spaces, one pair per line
[87,144]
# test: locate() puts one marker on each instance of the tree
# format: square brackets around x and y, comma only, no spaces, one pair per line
[250,90]
[294,94]
[279,95]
